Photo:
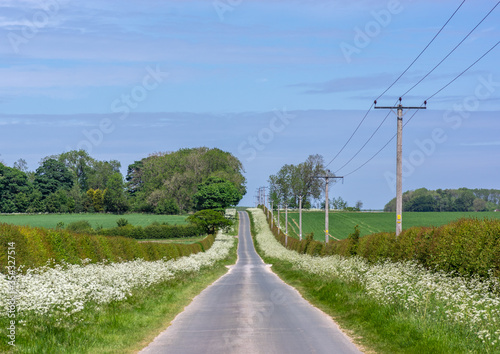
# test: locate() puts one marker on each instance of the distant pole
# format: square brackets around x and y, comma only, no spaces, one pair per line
[399,163]
[286,224]
[279,223]
[300,217]
[272,216]
[327,177]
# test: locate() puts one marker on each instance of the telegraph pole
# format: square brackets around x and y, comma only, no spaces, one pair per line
[286,225]
[399,162]
[327,178]
[300,217]
[272,216]
[279,224]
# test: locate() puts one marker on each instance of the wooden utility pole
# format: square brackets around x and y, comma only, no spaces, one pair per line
[300,217]
[327,178]
[286,225]
[272,216]
[399,162]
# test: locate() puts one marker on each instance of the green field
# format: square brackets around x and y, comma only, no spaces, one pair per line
[342,223]
[96,220]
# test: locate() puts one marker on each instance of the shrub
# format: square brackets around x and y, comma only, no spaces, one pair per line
[122,222]
[79,226]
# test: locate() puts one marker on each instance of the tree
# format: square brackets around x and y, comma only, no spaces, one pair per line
[13,184]
[51,176]
[178,174]
[216,193]
[21,165]
[209,220]
[293,181]
[115,200]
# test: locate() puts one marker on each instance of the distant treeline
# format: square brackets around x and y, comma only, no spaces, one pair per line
[162,183]
[461,199]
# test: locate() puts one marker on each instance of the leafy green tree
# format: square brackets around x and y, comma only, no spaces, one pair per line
[293,181]
[115,200]
[177,175]
[81,165]
[216,193]
[51,176]
[12,183]
[209,220]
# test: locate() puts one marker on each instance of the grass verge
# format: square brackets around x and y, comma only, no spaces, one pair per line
[119,327]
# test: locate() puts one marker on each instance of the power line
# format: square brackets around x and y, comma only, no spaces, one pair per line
[434,94]
[467,36]
[362,147]
[362,120]
[382,148]
[422,52]
[456,77]
[391,85]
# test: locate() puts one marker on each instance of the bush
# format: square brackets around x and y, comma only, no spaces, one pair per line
[122,222]
[79,226]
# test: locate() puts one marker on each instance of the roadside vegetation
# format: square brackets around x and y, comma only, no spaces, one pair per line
[107,306]
[391,307]
[342,223]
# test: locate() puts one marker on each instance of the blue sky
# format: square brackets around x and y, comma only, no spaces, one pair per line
[269,81]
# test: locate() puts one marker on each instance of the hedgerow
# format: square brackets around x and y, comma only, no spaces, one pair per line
[466,246]
[35,246]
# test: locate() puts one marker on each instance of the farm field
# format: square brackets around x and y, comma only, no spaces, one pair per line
[104,220]
[343,223]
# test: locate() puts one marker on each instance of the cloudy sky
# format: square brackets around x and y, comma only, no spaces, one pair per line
[269,81]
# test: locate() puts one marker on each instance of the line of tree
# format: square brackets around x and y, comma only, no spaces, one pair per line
[163,183]
[462,199]
[293,181]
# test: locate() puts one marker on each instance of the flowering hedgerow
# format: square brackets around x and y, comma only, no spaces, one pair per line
[470,301]
[62,290]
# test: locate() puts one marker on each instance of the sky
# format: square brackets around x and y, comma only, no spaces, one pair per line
[270,81]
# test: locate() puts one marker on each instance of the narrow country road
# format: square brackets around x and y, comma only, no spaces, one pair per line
[250,310]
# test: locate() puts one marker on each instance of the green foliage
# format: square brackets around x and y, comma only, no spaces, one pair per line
[176,175]
[122,222]
[14,189]
[154,231]
[466,246]
[35,246]
[51,176]
[209,220]
[216,193]
[461,199]
[114,198]
[79,226]
[293,181]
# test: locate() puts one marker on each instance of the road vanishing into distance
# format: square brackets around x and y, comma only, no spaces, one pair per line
[251,310]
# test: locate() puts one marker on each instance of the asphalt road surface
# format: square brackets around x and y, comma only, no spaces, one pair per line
[250,310]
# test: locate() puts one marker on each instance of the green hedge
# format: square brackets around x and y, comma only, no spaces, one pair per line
[35,246]
[466,246]
[157,232]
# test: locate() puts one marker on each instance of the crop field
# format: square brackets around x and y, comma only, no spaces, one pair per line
[343,223]
[96,220]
